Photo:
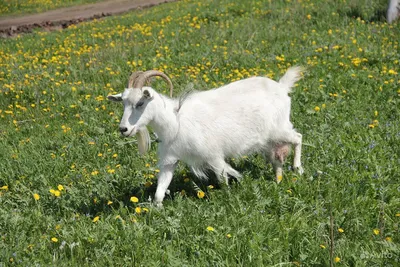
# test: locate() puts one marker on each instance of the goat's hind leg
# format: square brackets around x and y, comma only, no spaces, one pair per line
[277,162]
[297,153]
[295,139]
[232,172]
[222,170]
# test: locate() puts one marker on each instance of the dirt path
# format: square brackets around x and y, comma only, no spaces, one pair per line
[63,17]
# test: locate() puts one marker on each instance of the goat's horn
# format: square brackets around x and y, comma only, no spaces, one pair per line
[140,82]
[133,77]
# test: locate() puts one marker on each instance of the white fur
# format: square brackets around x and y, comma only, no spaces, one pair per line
[247,116]
[393,11]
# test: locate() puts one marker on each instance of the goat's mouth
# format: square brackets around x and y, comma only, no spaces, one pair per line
[127,133]
[131,132]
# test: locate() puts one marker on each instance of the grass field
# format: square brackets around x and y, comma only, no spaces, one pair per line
[13,7]
[73,193]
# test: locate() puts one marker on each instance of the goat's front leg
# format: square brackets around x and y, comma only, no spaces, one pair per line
[164,178]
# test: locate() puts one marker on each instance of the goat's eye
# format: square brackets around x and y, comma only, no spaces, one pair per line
[139,104]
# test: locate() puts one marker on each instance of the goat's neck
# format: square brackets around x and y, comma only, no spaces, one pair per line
[165,122]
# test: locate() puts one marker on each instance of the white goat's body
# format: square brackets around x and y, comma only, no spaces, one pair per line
[240,118]
[234,120]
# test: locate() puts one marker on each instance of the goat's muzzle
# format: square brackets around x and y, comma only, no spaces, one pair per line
[123,129]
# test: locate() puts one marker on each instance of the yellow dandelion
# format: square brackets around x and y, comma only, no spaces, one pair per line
[376,231]
[322,246]
[210,228]
[388,239]
[341,230]
[134,199]
[228,235]
[200,194]
[397,214]
[95,219]
[109,202]
[54,239]
[60,187]
[145,209]
[55,193]
[36,196]
[4,187]
[337,259]
[138,210]
[317,109]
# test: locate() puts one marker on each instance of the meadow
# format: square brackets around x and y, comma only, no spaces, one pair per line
[74,193]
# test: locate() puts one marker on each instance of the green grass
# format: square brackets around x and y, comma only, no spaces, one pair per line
[19,7]
[58,129]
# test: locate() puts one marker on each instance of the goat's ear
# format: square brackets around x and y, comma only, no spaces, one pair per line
[115,98]
[147,94]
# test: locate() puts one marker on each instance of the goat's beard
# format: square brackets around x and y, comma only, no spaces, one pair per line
[143,139]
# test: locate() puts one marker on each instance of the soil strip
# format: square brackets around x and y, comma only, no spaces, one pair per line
[64,17]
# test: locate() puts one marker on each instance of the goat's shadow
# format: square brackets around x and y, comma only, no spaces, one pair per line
[379,15]
[184,183]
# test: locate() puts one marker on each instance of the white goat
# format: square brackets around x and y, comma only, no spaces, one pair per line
[393,11]
[204,128]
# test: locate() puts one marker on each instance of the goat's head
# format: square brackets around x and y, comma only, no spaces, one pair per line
[139,106]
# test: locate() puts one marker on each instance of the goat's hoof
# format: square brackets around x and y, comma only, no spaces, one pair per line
[157,204]
[299,170]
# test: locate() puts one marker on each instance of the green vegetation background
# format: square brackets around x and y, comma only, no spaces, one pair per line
[73,193]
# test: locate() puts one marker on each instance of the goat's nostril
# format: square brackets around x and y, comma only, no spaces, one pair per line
[123,129]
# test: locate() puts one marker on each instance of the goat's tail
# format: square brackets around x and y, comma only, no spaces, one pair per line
[291,76]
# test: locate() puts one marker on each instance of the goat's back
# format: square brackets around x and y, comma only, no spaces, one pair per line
[234,119]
